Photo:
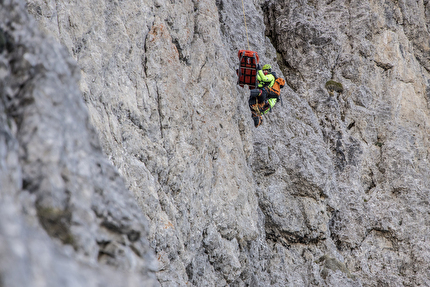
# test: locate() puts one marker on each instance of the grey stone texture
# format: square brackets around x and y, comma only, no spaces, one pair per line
[128,156]
[67,218]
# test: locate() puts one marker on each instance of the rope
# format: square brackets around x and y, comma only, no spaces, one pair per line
[246,28]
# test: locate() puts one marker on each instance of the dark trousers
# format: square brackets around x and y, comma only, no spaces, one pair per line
[258,96]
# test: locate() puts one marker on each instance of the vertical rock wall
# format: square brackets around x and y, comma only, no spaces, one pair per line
[159,82]
[66,217]
[332,190]
[374,128]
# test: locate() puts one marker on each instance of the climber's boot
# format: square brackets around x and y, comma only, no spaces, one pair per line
[258,119]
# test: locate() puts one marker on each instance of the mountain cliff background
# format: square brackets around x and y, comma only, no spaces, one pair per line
[128,156]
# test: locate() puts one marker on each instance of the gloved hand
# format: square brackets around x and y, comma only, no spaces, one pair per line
[258,67]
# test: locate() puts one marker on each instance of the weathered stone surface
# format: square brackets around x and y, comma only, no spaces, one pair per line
[375,130]
[332,189]
[160,89]
[63,207]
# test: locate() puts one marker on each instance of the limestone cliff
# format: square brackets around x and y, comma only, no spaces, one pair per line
[128,156]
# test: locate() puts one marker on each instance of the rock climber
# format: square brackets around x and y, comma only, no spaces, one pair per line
[263,99]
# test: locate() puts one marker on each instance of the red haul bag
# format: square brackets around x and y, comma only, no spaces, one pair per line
[247,71]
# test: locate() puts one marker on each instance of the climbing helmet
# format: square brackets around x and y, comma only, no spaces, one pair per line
[267,67]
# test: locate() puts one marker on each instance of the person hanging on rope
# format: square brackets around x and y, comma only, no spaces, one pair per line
[263,99]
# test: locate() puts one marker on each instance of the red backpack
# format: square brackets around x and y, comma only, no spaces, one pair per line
[247,71]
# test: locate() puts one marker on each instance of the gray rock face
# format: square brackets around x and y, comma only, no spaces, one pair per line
[374,132]
[66,217]
[332,189]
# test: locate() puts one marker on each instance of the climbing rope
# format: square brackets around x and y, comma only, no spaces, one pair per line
[246,28]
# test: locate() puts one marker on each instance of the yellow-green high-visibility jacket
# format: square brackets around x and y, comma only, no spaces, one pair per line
[265,80]
[272,102]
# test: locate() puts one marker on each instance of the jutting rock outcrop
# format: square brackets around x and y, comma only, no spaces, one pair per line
[129,158]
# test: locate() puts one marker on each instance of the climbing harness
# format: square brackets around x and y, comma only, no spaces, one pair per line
[256,108]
